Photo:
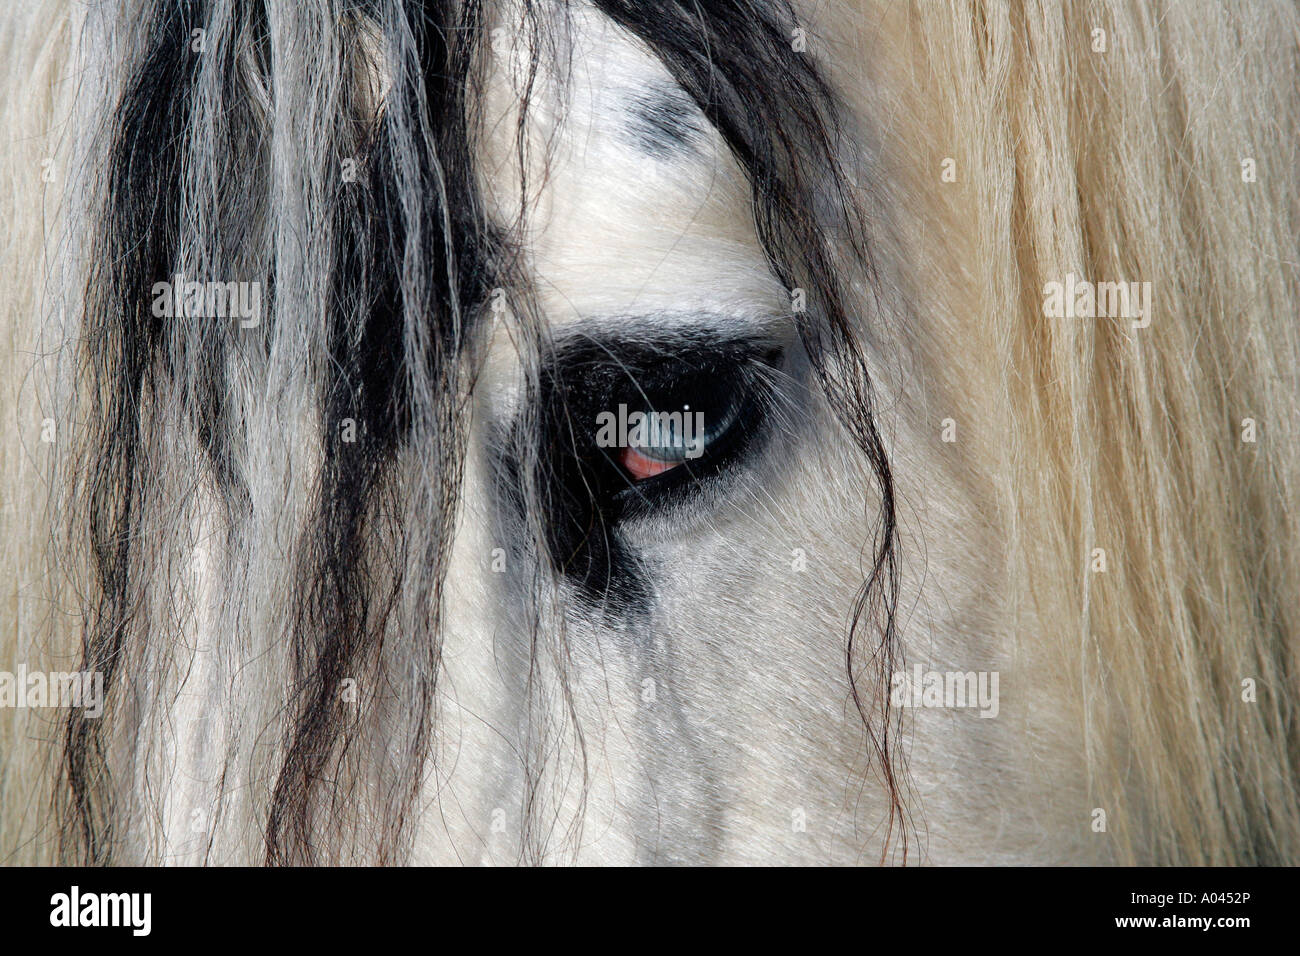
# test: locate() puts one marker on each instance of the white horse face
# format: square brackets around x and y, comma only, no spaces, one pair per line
[685,695]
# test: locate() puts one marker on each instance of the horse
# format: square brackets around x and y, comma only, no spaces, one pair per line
[601,432]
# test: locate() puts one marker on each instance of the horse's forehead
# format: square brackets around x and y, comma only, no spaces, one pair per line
[635,208]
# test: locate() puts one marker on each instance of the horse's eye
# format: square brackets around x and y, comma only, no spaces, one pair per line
[683,423]
[666,439]
[635,426]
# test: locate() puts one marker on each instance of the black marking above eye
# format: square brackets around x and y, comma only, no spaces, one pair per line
[586,491]
[663,120]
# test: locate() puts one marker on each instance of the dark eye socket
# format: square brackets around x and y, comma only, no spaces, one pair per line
[610,405]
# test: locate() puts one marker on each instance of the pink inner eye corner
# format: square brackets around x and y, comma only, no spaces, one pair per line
[641,467]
